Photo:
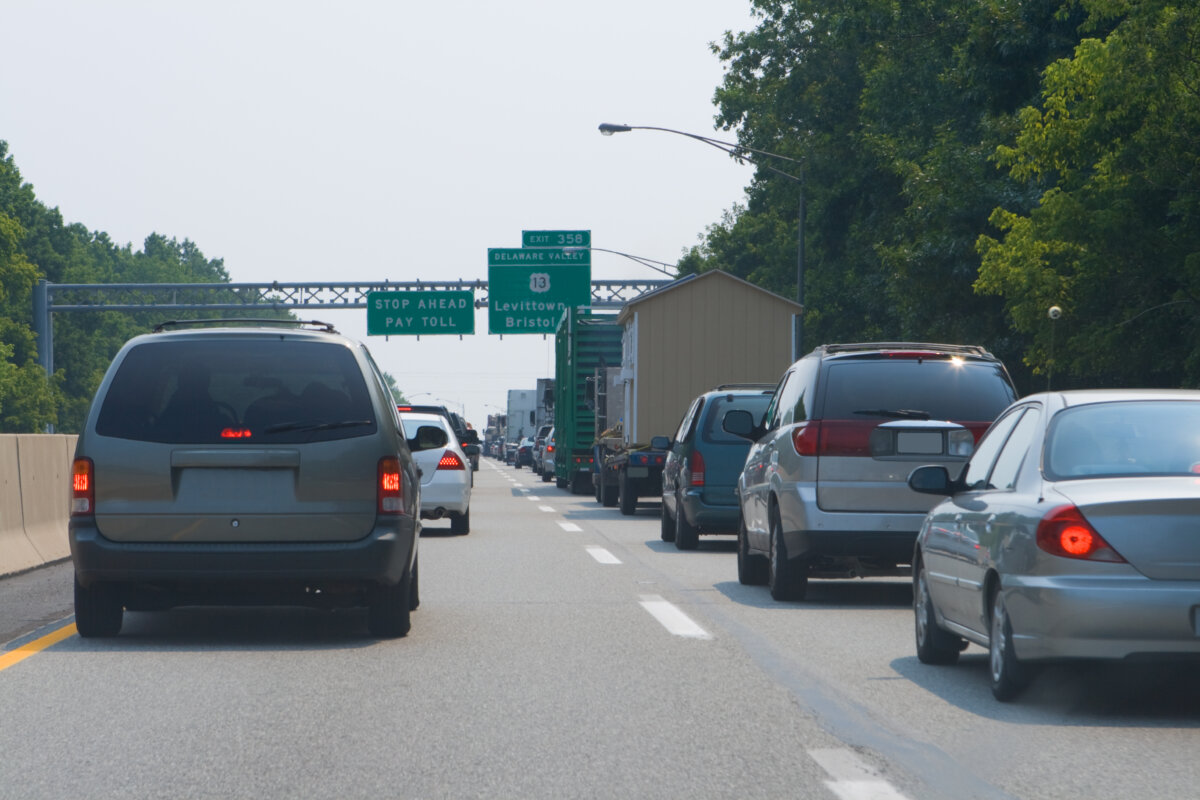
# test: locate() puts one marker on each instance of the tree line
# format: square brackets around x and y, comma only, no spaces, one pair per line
[966,165]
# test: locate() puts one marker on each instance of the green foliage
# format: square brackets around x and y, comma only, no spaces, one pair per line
[36,244]
[1114,238]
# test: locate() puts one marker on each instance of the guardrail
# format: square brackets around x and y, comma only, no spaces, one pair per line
[35,499]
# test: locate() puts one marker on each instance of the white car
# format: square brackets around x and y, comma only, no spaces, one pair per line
[446,477]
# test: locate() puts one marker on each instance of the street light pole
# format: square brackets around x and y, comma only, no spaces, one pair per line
[742,153]
[645,262]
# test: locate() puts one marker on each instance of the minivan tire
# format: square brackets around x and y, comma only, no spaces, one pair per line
[686,535]
[98,610]
[668,524]
[389,612]
[787,579]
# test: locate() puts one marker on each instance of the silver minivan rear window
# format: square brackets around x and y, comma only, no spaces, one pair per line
[273,391]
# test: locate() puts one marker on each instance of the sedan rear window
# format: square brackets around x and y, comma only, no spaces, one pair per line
[1125,438]
[271,391]
[916,388]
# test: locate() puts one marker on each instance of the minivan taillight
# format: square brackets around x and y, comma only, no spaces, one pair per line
[696,468]
[390,486]
[83,487]
[838,437]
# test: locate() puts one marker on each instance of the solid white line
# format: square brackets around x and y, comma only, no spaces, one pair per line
[570,527]
[853,778]
[547,508]
[602,555]
[533,497]
[672,618]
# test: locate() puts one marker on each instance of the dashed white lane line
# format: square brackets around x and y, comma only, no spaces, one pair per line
[549,509]
[533,497]
[602,555]
[672,618]
[853,779]
[570,527]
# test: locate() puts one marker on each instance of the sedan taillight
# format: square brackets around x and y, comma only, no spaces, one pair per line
[83,488]
[1065,532]
[450,460]
[390,486]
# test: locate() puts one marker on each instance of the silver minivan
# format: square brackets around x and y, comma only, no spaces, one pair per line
[245,465]
[823,492]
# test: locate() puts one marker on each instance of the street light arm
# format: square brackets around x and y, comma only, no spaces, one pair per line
[734,149]
[645,262]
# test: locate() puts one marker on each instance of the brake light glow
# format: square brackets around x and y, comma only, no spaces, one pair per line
[235,433]
[696,468]
[1065,532]
[450,461]
[549,448]
[390,486]
[83,487]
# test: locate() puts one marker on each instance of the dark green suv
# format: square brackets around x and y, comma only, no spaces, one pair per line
[245,465]
[703,464]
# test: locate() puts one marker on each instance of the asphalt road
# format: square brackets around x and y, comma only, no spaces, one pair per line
[563,650]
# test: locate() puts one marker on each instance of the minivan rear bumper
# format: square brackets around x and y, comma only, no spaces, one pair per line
[382,557]
[809,531]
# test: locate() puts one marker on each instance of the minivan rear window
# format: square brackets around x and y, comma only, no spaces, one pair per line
[270,391]
[929,388]
[756,404]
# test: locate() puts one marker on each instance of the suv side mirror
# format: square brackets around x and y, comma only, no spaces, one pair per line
[933,480]
[660,443]
[427,438]
[740,423]
[471,436]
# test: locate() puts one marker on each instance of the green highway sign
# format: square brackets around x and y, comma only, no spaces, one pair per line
[556,238]
[420,313]
[538,256]
[531,298]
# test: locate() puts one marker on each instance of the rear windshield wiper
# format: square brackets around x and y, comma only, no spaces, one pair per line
[902,413]
[315,426]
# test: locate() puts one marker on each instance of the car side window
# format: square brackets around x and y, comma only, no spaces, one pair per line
[1012,456]
[775,412]
[981,462]
[688,420]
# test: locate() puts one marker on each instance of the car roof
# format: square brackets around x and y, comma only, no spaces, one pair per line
[1079,397]
[870,349]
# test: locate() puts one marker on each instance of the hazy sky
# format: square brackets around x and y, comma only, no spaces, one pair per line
[363,141]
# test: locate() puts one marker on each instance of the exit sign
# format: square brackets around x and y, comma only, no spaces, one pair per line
[420,313]
[556,238]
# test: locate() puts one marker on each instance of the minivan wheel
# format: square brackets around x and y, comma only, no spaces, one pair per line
[786,579]
[752,568]
[626,497]
[934,645]
[414,595]
[1009,675]
[668,524]
[98,610]
[388,615]
[460,523]
[686,535]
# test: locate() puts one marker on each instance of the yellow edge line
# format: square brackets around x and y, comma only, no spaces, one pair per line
[36,646]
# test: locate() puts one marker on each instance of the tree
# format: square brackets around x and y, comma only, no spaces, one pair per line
[1114,239]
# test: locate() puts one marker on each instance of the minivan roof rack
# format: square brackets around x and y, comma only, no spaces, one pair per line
[725,386]
[176,324]
[960,349]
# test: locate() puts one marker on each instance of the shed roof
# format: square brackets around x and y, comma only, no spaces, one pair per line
[694,279]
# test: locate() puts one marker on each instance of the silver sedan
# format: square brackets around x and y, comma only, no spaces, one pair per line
[1073,532]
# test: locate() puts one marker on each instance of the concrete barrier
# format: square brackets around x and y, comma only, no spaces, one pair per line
[35,499]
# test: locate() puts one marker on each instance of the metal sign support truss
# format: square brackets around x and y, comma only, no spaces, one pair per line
[50,298]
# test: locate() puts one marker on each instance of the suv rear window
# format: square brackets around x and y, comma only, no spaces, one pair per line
[272,391]
[944,389]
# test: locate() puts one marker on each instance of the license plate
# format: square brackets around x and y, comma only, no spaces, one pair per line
[638,472]
[923,443]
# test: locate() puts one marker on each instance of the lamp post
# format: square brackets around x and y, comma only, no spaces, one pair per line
[743,153]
